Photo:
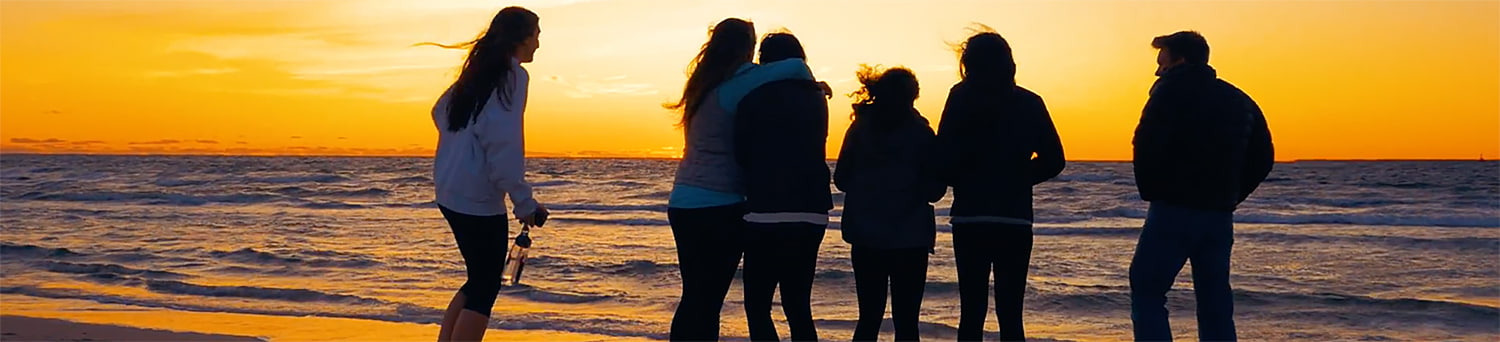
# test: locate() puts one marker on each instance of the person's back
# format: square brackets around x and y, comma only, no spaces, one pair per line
[781,130]
[1202,146]
[996,140]
[990,135]
[1193,147]
[709,161]
[885,171]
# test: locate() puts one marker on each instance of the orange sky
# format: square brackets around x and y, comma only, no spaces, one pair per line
[1337,79]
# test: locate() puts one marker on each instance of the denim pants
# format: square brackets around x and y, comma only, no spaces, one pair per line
[1172,236]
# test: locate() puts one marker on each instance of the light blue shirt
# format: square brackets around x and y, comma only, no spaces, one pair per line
[689,197]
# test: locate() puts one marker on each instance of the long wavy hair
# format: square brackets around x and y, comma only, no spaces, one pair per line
[488,66]
[731,43]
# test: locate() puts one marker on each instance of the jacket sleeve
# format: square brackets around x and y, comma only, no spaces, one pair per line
[1261,153]
[1153,139]
[502,137]
[846,168]
[1049,161]
[933,188]
[947,154]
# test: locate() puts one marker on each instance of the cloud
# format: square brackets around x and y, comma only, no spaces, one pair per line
[256,75]
[206,141]
[605,86]
[20,149]
[586,90]
[157,142]
[343,138]
[375,70]
[324,62]
[88,142]
[296,137]
[241,143]
[53,111]
[226,150]
[37,141]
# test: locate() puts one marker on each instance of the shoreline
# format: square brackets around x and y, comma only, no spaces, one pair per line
[646,158]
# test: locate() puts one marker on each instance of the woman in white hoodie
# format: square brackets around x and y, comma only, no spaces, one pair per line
[480,161]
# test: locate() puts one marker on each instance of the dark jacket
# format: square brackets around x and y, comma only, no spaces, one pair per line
[1201,142]
[886,172]
[987,139]
[781,130]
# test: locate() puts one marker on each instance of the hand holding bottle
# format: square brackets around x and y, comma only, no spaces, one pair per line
[537,218]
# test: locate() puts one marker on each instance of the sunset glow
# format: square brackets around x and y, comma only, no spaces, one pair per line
[1337,79]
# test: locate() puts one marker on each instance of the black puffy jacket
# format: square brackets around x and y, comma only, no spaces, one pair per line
[886,172]
[1201,143]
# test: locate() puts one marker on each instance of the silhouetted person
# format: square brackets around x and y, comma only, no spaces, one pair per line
[706,208]
[1201,148]
[781,129]
[990,131]
[889,182]
[481,160]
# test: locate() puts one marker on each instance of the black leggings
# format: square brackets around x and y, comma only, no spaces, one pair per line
[977,247]
[482,240]
[708,254]
[784,254]
[905,270]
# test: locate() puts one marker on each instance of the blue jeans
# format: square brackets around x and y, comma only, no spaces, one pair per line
[1172,236]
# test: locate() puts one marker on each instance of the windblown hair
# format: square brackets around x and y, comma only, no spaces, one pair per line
[985,59]
[731,43]
[488,65]
[884,93]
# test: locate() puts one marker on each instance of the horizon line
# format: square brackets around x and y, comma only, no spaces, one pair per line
[623,157]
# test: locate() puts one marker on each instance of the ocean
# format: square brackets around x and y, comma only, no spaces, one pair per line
[1369,251]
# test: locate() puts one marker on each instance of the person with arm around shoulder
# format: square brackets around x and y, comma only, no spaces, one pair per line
[706,207]
[706,203]
[781,130]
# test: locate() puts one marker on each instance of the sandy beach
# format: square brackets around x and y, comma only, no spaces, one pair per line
[37,319]
[20,328]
